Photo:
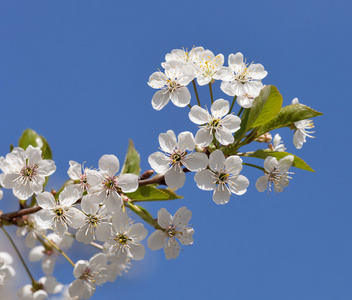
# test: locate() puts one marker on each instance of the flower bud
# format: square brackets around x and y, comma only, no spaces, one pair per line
[264,138]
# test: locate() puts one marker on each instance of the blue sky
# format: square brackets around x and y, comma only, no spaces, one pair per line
[77,72]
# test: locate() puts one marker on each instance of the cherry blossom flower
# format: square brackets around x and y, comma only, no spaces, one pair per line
[301,132]
[123,240]
[176,156]
[47,285]
[181,55]
[172,84]
[6,270]
[31,230]
[49,254]
[88,274]
[25,171]
[208,67]
[277,144]
[222,177]
[220,122]
[242,78]
[76,174]
[172,228]
[96,217]
[276,173]
[107,187]
[59,213]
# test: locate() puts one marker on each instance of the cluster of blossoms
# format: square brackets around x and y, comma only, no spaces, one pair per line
[91,206]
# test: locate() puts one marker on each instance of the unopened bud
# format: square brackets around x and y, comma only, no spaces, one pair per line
[264,138]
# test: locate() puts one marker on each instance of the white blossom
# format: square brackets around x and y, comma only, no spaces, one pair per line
[123,240]
[222,177]
[59,213]
[49,254]
[276,173]
[176,155]
[219,122]
[31,230]
[96,217]
[106,187]
[77,173]
[47,285]
[277,144]
[185,56]
[6,270]
[25,171]
[88,274]
[301,132]
[172,228]
[172,84]
[208,67]
[243,79]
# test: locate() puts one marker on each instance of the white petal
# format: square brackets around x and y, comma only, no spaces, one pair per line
[175,178]
[164,218]
[227,88]
[138,231]
[233,164]
[46,167]
[167,141]
[182,217]
[172,249]
[220,108]
[160,99]
[44,218]
[262,183]
[36,253]
[109,164]
[59,227]
[224,136]
[121,221]
[76,218]
[270,163]
[159,162]
[181,97]
[46,200]
[157,240]
[238,184]
[185,236]
[74,171]
[285,163]
[221,196]
[205,180]
[69,195]
[137,251]
[34,155]
[203,137]
[195,161]
[128,182]
[199,115]
[186,141]
[232,123]
[216,160]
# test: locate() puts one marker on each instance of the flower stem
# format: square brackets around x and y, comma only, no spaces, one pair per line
[211,93]
[19,254]
[195,91]
[233,103]
[239,113]
[96,245]
[190,106]
[254,166]
[58,249]
[142,213]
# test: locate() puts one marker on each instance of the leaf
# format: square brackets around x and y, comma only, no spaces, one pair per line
[244,120]
[132,160]
[288,115]
[150,193]
[30,137]
[265,107]
[297,162]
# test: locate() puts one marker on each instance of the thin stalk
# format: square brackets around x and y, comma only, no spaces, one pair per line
[190,106]
[211,93]
[233,103]
[20,256]
[254,166]
[91,243]
[195,91]
[241,110]
[58,249]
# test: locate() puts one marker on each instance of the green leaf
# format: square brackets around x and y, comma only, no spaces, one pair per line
[150,193]
[132,160]
[244,120]
[30,137]
[297,162]
[265,107]
[288,115]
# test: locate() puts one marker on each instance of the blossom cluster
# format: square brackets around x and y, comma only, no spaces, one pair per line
[91,207]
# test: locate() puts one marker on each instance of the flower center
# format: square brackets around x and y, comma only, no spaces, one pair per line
[59,212]
[171,232]
[29,172]
[94,220]
[173,85]
[223,177]
[122,239]
[215,123]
